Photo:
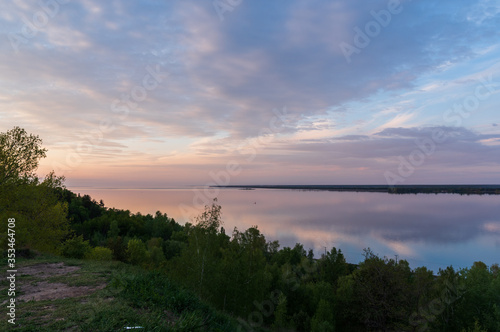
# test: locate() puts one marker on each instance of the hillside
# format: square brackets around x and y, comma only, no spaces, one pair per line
[60,294]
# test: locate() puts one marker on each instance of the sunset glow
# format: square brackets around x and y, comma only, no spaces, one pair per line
[151,94]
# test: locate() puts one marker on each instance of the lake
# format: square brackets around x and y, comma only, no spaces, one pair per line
[426,229]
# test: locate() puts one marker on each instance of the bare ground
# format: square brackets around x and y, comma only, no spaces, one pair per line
[40,289]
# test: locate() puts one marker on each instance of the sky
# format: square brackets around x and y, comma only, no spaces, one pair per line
[152,94]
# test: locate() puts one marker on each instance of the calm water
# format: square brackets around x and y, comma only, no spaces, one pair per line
[427,230]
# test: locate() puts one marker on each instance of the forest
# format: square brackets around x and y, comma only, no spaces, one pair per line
[240,272]
[462,189]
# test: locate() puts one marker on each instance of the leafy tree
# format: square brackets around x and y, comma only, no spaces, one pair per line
[160,226]
[114,231]
[495,270]
[172,248]
[480,299]
[323,320]
[332,266]
[155,249]
[41,222]
[198,265]
[157,257]
[280,316]
[40,216]
[244,265]
[118,247]
[377,294]
[19,155]
[441,313]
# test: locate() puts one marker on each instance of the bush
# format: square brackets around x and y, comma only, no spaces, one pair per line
[118,248]
[100,254]
[156,256]
[136,252]
[75,248]
[172,248]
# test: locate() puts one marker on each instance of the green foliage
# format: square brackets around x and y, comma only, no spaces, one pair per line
[100,254]
[477,328]
[155,252]
[75,247]
[243,275]
[173,248]
[197,266]
[323,320]
[286,288]
[98,239]
[19,155]
[244,264]
[157,257]
[376,295]
[118,248]
[155,291]
[479,300]
[136,252]
[125,302]
[40,216]
[290,256]
[114,231]
[332,266]
[280,316]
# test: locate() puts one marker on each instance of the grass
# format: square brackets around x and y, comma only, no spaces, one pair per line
[128,296]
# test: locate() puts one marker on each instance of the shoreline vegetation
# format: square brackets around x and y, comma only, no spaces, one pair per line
[462,189]
[127,269]
[194,277]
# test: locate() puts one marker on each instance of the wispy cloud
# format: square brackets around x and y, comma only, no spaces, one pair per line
[222,79]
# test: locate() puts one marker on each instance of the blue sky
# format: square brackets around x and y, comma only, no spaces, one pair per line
[157,93]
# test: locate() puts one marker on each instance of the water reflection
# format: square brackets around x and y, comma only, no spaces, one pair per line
[431,230]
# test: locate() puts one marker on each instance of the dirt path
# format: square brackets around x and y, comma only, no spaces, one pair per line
[40,288]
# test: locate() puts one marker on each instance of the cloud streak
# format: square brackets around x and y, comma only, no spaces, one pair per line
[346,122]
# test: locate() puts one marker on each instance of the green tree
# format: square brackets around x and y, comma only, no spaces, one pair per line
[323,320]
[332,266]
[246,280]
[479,300]
[198,266]
[136,252]
[376,295]
[41,221]
[114,231]
[40,216]
[280,316]
[19,155]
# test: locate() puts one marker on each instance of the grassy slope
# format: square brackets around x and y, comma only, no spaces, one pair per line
[131,297]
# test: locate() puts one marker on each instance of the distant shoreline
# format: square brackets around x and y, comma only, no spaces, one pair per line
[398,189]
